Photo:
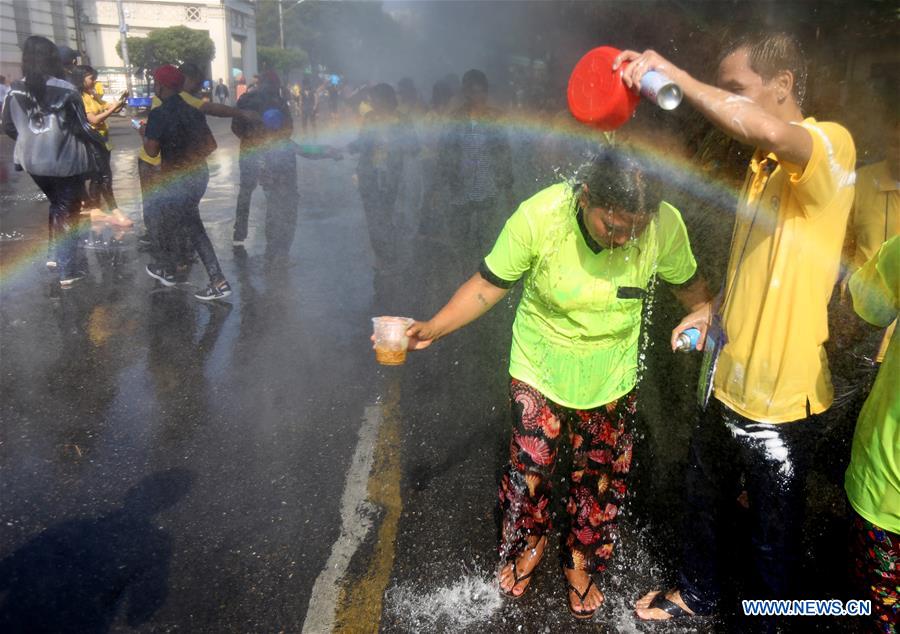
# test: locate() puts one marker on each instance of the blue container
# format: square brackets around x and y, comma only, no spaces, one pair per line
[687,340]
[140,102]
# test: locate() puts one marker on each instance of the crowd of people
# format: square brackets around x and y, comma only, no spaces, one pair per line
[586,251]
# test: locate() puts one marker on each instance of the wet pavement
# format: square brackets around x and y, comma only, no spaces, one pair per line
[246,466]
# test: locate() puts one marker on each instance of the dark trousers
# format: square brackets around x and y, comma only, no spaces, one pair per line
[281,219]
[65,195]
[249,162]
[473,229]
[773,461]
[179,215]
[380,208]
[100,188]
[149,177]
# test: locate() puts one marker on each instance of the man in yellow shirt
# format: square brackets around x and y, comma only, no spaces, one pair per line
[875,217]
[772,377]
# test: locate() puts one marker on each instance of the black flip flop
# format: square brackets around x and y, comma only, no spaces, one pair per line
[516,580]
[581,614]
[660,602]
[528,575]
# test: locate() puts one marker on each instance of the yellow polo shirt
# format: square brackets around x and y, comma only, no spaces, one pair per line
[94,106]
[874,219]
[190,100]
[785,256]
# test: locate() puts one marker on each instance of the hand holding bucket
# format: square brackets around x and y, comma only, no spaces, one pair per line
[598,96]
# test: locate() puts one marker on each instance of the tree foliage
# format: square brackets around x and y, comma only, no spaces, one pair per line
[172,45]
[340,36]
[281,60]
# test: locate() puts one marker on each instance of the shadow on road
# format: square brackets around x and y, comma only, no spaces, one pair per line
[77,574]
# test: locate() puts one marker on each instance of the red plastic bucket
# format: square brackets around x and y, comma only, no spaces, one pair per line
[596,93]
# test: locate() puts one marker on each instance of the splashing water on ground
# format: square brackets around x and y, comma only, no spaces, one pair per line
[471,599]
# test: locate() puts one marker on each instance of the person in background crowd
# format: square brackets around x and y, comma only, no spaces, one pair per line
[384,143]
[875,215]
[178,133]
[44,114]
[296,98]
[4,90]
[475,162]
[252,134]
[872,481]
[586,255]
[100,190]
[240,88]
[309,104]
[278,179]
[772,380]
[221,92]
[148,166]
[69,57]
[334,97]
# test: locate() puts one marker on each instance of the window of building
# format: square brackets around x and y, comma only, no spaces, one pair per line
[192,14]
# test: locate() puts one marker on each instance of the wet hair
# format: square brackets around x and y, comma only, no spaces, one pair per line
[769,54]
[473,78]
[617,179]
[40,62]
[191,71]
[441,94]
[384,94]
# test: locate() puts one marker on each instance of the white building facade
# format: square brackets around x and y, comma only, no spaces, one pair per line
[20,19]
[230,24]
[92,27]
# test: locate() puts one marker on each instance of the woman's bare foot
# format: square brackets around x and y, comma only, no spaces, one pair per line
[584,596]
[524,565]
[646,613]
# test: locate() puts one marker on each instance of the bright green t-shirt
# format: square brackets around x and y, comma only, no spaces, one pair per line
[575,337]
[873,478]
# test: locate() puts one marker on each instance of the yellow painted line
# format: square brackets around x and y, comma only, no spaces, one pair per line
[359,605]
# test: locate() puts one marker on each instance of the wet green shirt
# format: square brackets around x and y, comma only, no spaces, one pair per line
[575,337]
[873,478]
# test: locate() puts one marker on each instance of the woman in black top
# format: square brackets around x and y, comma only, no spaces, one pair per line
[44,114]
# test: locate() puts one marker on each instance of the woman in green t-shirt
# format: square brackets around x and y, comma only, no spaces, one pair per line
[587,255]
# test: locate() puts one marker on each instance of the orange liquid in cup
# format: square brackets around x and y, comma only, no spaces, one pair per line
[390,357]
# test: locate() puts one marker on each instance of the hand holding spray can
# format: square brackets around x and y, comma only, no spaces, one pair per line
[661,90]
[687,340]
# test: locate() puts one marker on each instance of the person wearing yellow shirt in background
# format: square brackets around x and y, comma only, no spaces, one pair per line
[772,377]
[875,217]
[872,481]
[101,184]
[99,90]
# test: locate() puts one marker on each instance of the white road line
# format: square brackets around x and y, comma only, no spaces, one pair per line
[356,520]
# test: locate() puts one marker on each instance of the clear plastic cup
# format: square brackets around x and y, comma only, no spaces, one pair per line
[390,339]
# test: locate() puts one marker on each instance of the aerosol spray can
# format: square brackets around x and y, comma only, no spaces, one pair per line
[661,90]
[687,340]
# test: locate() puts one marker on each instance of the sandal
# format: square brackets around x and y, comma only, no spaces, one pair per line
[675,611]
[581,614]
[515,571]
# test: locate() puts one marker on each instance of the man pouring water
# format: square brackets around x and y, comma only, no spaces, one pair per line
[771,380]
